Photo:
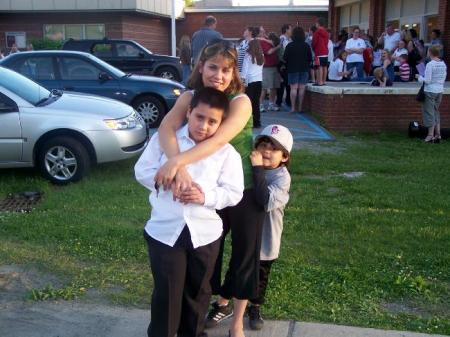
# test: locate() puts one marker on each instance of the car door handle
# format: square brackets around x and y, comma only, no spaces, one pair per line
[68,88]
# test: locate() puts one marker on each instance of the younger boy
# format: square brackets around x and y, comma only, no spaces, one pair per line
[404,71]
[271,182]
[184,237]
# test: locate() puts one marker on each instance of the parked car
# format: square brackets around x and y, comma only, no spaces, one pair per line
[130,57]
[152,97]
[63,134]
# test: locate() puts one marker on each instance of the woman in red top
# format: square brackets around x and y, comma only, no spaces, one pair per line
[271,77]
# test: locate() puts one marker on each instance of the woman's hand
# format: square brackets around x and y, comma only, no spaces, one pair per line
[166,173]
[182,182]
[192,195]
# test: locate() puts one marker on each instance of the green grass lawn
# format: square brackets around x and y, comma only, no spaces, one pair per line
[369,251]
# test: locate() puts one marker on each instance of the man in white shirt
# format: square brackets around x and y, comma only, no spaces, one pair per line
[183,236]
[389,38]
[355,48]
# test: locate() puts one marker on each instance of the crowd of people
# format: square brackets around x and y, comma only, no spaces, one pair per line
[280,66]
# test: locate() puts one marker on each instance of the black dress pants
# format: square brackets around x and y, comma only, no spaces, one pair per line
[253,92]
[181,290]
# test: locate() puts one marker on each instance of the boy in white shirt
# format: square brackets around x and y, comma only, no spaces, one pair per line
[183,236]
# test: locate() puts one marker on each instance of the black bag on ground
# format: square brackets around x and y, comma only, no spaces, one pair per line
[420,97]
[415,130]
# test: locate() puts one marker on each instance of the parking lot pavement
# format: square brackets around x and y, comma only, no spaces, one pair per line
[303,126]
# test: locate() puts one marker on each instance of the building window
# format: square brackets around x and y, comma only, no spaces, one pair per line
[74,31]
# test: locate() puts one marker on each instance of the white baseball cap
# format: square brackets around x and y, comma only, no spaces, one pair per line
[279,134]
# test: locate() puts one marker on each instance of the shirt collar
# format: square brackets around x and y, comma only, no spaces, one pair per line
[184,133]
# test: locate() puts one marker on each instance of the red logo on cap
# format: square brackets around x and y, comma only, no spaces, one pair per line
[275,130]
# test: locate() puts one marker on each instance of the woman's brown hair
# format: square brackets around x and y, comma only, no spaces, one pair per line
[256,52]
[222,48]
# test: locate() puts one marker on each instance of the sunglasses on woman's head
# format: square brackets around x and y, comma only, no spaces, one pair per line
[227,44]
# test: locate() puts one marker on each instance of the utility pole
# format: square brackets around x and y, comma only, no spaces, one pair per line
[174,35]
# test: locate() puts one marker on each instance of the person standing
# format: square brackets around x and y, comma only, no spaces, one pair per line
[355,48]
[185,57]
[389,38]
[298,59]
[203,36]
[183,238]
[285,39]
[249,34]
[271,77]
[251,75]
[435,74]
[272,180]
[320,46]
[436,40]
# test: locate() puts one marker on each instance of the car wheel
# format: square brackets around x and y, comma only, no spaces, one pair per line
[63,160]
[151,109]
[167,72]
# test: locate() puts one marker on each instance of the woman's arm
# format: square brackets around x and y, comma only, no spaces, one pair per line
[168,141]
[240,112]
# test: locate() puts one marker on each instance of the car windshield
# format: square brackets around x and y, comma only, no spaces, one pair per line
[110,68]
[22,86]
[142,47]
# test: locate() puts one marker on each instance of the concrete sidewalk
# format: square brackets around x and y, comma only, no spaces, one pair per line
[75,319]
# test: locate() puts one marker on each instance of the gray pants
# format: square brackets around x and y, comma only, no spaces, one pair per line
[430,112]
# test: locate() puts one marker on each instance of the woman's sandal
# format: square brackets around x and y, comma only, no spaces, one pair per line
[437,139]
[429,139]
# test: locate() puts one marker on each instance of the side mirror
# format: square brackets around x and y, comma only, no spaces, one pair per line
[141,54]
[103,77]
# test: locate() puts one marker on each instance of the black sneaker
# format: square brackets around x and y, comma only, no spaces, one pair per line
[217,314]
[254,317]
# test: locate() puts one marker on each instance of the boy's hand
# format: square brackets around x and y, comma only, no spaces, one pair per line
[256,158]
[192,195]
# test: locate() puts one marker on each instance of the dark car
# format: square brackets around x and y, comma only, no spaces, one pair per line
[129,56]
[151,96]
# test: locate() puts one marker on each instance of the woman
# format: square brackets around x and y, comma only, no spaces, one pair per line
[217,68]
[388,67]
[185,57]
[251,74]
[298,58]
[413,58]
[435,74]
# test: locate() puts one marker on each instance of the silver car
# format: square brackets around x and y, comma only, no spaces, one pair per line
[63,134]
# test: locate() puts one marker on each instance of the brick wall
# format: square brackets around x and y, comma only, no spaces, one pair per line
[334,14]
[444,26]
[152,32]
[371,113]
[377,16]
[232,25]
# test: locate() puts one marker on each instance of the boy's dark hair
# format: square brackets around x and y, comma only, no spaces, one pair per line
[212,97]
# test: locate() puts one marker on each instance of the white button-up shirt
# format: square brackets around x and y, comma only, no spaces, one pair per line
[221,178]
